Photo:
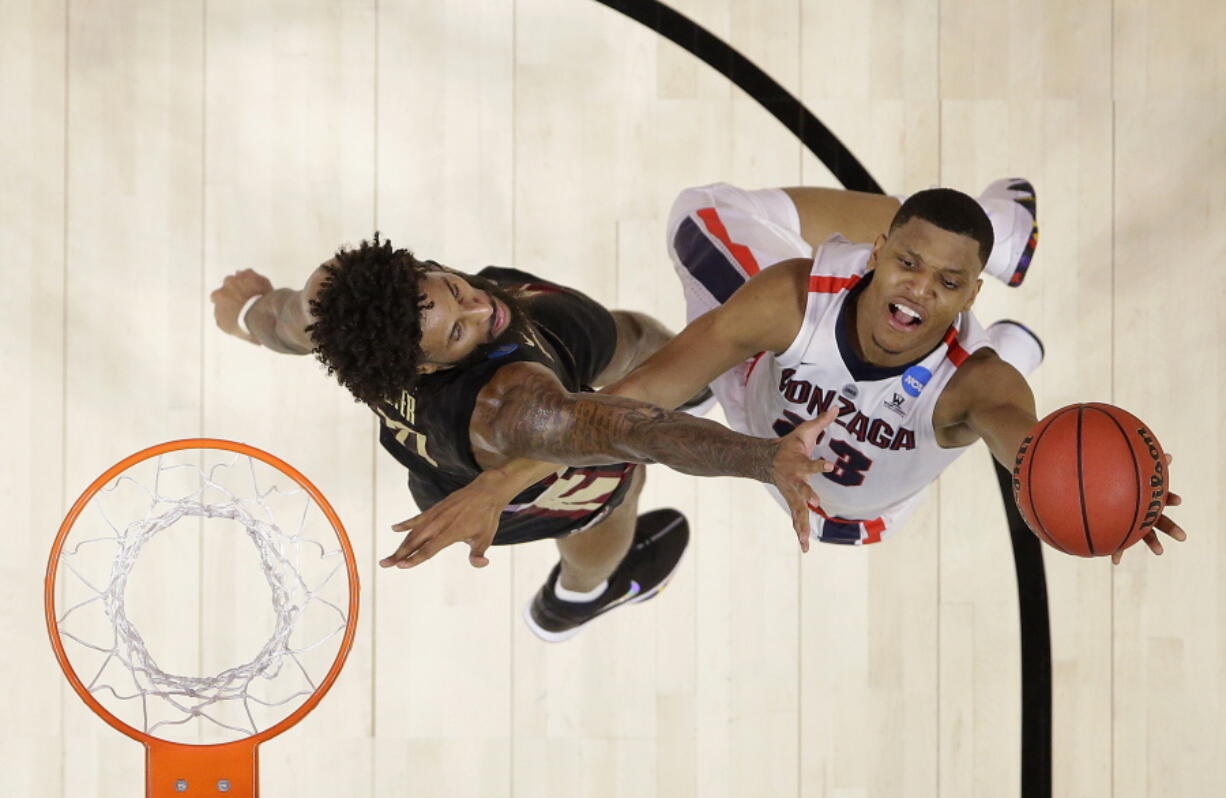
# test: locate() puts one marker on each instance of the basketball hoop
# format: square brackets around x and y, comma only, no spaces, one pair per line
[220,487]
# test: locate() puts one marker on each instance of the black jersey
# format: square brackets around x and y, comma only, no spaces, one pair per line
[426,429]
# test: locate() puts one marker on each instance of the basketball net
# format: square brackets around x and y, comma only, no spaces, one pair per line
[179,699]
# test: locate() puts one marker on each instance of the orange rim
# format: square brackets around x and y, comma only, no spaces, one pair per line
[172,446]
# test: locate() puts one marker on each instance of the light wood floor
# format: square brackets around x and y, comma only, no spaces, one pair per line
[148,148]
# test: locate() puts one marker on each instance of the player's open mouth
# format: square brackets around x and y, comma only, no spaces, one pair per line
[904,317]
[498,319]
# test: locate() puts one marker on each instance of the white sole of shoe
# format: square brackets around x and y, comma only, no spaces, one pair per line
[560,637]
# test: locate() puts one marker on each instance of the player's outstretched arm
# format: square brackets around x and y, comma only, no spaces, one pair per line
[997,405]
[1000,409]
[277,318]
[524,412]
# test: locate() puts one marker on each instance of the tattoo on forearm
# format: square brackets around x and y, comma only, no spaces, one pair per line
[598,428]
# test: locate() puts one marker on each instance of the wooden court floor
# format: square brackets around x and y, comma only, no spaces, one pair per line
[148,148]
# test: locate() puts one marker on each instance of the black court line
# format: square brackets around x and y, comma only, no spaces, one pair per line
[717,54]
[1036,645]
[1027,551]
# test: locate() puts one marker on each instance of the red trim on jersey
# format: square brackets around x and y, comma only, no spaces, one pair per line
[710,217]
[872,529]
[542,288]
[753,363]
[956,354]
[826,284]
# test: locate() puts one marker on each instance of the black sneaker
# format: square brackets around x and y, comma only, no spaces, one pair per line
[660,538]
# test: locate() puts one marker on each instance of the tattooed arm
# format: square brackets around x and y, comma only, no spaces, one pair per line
[525,412]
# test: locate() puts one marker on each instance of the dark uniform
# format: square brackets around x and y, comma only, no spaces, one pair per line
[427,429]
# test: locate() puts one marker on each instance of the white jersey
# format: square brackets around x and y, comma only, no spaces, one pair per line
[883,443]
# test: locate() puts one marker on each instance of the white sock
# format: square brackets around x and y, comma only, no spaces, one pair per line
[575,596]
[1016,346]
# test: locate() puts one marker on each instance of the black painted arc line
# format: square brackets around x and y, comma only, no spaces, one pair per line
[1036,646]
[778,101]
[1027,551]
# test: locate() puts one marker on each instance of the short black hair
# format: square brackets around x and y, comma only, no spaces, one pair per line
[367,328]
[949,210]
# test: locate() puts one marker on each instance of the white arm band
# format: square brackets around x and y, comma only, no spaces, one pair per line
[242,313]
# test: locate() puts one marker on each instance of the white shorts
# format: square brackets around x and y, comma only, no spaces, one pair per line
[718,237]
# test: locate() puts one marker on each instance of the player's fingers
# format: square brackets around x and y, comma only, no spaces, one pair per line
[1115,558]
[1173,500]
[1168,457]
[407,524]
[819,466]
[819,424]
[800,527]
[391,559]
[812,428]
[402,551]
[423,553]
[412,542]
[1171,528]
[1154,544]
[476,553]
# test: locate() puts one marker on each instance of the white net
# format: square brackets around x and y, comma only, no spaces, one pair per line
[203,610]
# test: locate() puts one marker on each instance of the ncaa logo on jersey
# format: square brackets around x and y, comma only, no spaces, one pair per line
[914,379]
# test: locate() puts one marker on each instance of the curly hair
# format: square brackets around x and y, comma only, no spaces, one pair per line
[367,328]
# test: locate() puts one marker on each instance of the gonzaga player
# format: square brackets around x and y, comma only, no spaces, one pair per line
[881,334]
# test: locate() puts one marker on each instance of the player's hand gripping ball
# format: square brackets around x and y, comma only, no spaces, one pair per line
[1090,479]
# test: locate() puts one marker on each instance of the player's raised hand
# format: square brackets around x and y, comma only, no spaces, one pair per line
[229,297]
[469,515]
[1163,524]
[792,467]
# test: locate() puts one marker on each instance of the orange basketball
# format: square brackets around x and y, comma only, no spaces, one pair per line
[1090,479]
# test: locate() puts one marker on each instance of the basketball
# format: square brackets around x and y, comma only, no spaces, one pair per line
[1090,479]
